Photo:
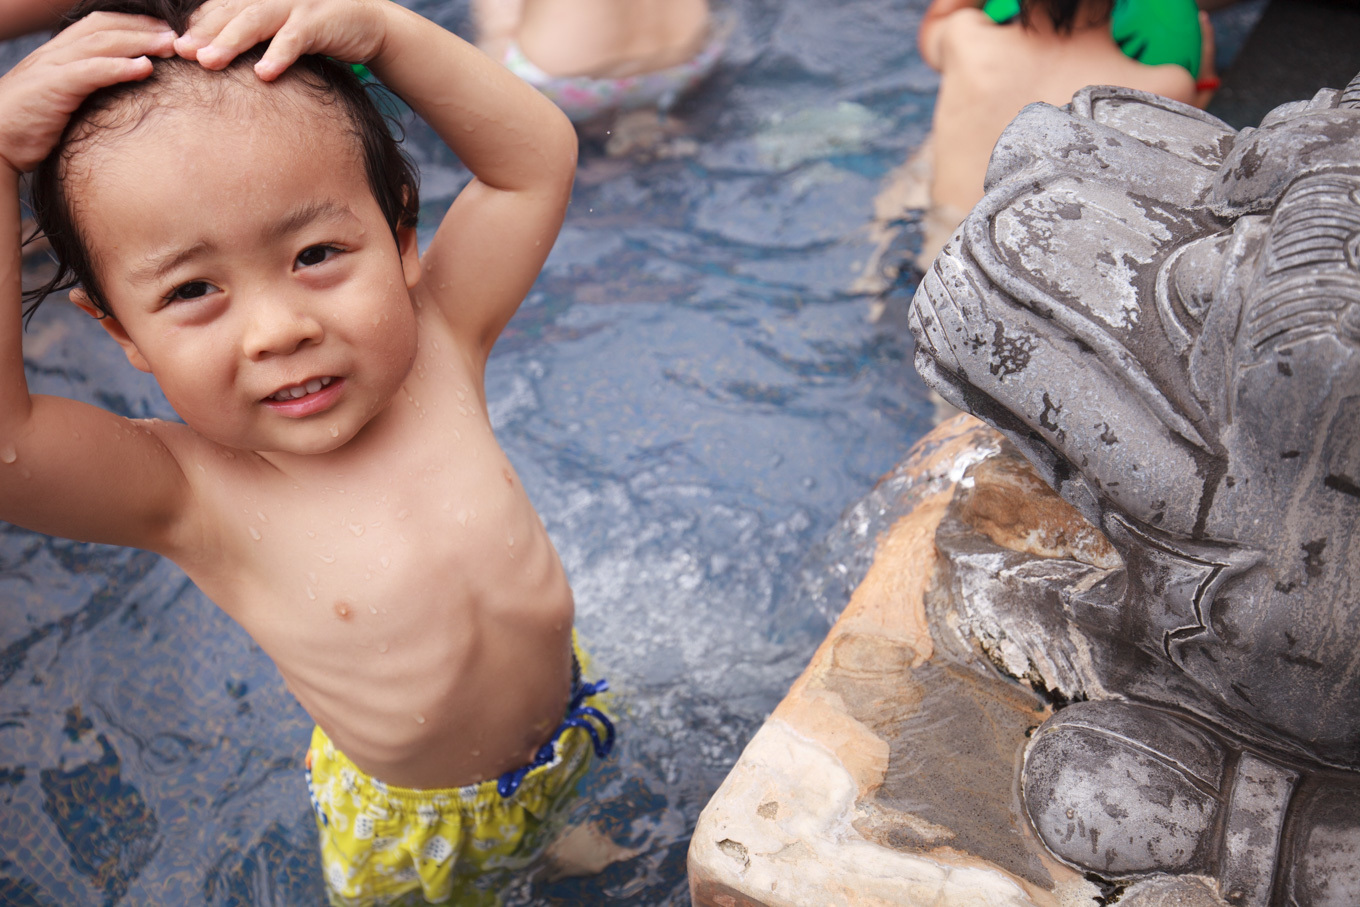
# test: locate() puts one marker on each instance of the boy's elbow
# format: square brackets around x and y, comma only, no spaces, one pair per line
[562,147]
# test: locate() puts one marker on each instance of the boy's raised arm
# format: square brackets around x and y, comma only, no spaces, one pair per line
[522,152]
[67,468]
[520,148]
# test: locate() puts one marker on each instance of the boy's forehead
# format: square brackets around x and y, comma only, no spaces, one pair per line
[183,90]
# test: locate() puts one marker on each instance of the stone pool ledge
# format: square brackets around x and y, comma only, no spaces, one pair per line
[887,776]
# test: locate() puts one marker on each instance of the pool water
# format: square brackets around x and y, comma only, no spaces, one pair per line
[692,396]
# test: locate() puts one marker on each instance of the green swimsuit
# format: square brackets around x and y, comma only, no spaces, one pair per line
[1149,31]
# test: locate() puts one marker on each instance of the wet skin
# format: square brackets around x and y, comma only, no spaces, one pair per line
[369,534]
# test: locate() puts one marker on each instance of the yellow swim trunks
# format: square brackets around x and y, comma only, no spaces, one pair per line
[383,845]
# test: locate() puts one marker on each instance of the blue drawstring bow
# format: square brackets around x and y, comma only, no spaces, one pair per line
[578,715]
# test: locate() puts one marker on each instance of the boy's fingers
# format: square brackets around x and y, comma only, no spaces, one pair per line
[283,52]
[207,24]
[248,28]
[118,43]
[98,22]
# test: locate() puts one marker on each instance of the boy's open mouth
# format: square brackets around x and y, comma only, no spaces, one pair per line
[299,390]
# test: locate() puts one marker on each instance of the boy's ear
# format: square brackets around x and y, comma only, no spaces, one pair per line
[410,255]
[114,329]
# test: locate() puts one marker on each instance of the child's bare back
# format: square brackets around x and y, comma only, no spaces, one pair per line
[335,485]
[988,72]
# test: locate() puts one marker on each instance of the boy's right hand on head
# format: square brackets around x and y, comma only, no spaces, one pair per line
[348,30]
[38,96]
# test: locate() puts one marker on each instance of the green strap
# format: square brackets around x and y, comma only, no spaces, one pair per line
[1149,31]
[1158,31]
[1002,11]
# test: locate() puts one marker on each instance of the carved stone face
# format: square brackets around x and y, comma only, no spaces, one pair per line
[1165,317]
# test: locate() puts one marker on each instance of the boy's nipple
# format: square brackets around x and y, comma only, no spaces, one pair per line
[343,610]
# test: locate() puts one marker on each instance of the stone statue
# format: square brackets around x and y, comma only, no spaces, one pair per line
[1164,316]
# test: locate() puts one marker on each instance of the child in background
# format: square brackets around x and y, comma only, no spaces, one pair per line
[240,221]
[994,60]
[594,57]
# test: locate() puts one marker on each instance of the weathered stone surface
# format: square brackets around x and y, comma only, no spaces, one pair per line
[1163,314]
[888,774]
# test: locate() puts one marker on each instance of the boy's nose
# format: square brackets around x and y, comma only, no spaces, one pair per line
[277,329]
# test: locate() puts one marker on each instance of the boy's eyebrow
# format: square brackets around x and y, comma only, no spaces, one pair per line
[302,215]
[158,266]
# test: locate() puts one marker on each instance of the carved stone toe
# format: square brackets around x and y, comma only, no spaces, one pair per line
[1326,869]
[1124,789]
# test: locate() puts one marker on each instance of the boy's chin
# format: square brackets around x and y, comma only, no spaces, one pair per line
[303,445]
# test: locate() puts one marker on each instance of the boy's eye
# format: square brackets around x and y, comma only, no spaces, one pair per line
[194,289]
[315,255]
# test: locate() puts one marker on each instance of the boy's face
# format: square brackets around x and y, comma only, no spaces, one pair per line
[246,261]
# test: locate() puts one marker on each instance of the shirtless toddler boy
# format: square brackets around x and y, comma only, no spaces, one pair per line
[243,226]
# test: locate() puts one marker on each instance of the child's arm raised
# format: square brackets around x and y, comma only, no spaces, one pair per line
[67,468]
[520,148]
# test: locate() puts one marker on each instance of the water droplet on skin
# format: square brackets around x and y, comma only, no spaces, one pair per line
[462,517]
[8,455]
[254,533]
[335,432]
[263,518]
[376,524]
[311,594]
[382,647]
[420,719]
[510,540]
[403,514]
[476,752]
[372,610]
[311,533]
[356,528]
[200,467]
[342,610]
[434,342]
[385,561]
[311,577]
[461,395]
[327,558]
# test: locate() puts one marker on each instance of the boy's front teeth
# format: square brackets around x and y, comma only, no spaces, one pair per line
[301,390]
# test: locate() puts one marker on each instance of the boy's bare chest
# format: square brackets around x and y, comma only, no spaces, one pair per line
[428,521]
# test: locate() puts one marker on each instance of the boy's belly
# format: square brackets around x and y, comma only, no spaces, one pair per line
[444,707]
[429,683]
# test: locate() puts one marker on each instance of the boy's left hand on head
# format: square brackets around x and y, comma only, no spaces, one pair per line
[221,30]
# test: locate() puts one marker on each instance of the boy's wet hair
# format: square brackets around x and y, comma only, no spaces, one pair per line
[1063,13]
[391,175]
